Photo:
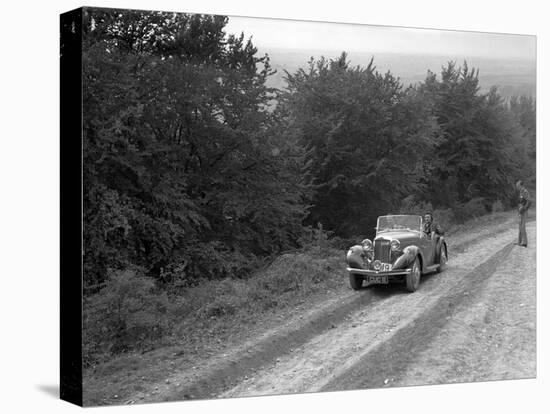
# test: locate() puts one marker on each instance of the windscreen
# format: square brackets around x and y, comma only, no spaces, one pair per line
[392,223]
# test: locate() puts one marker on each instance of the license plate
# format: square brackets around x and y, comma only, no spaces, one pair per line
[385,267]
[378,279]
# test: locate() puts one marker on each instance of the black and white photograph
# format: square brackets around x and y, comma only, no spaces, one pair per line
[277,206]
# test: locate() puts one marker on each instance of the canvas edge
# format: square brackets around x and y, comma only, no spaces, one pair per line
[70,340]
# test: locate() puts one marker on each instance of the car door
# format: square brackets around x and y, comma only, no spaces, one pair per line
[426,244]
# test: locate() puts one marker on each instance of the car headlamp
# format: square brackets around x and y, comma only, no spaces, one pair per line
[394,244]
[367,245]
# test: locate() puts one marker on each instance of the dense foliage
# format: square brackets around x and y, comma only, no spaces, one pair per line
[477,157]
[377,147]
[183,173]
[194,169]
[367,138]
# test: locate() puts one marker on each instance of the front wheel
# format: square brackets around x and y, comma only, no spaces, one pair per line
[355,281]
[413,278]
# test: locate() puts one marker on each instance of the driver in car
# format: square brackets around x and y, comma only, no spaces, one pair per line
[431,228]
[433,231]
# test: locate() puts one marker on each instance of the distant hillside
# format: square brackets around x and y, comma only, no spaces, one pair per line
[511,76]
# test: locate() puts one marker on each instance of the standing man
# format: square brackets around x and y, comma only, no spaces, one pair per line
[523,206]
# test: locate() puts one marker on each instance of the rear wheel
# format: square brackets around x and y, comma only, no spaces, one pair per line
[355,281]
[413,278]
[442,259]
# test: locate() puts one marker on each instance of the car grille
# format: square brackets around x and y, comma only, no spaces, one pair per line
[382,250]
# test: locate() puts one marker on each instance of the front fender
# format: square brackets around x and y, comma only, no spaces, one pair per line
[407,258]
[354,257]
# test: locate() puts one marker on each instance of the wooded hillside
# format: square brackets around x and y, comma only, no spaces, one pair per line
[195,170]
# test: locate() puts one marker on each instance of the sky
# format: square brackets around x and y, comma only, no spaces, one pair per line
[293,34]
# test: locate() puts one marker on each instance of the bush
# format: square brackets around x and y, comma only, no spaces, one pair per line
[410,205]
[300,273]
[316,239]
[497,207]
[344,243]
[131,314]
[474,208]
[128,313]
[444,217]
[223,298]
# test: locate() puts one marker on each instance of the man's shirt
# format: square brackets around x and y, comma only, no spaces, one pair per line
[432,227]
[524,198]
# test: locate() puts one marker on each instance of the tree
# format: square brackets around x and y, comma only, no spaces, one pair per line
[524,111]
[475,159]
[185,174]
[365,135]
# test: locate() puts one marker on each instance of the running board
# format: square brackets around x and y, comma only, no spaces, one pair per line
[432,268]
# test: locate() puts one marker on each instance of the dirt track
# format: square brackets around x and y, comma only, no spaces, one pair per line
[473,322]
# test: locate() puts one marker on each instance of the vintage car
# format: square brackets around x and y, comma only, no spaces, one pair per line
[400,252]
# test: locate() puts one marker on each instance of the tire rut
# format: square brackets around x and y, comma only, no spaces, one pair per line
[233,370]
[390,358]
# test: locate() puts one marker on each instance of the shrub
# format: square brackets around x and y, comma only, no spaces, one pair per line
[344,243]
[316,239]
[225,298]
[474,208]
[410,205]
[497,207]
[128,313]
[131,313]
[300,273]
[221,306]
[445,218]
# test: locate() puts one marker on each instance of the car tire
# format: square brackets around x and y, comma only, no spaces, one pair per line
[355,281]
[442,259]
[413,279]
